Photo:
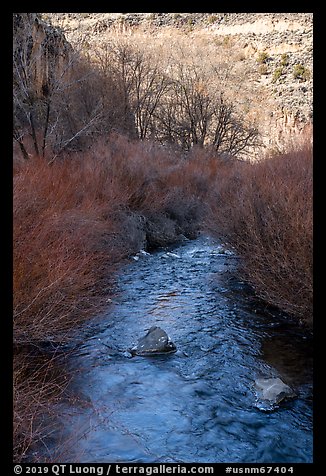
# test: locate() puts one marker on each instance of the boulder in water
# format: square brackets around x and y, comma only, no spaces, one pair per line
[156,341]
[273,390]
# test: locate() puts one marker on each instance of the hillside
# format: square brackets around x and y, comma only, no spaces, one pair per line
[268,56]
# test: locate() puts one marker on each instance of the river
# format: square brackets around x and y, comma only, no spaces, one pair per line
[199,404]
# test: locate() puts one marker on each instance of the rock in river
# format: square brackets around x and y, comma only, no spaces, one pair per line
[156,341]
[273,390]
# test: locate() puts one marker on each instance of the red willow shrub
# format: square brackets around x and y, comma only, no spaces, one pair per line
[57,263]
[264,211]
[38,385]
[75,220]
[64,257]
[71,219]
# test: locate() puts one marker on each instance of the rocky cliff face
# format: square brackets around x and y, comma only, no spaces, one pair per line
[271,54]
[282,45]
[41,50]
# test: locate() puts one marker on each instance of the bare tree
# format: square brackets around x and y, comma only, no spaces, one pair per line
[62,99]
[47,74]
[230,132]
[34,82]
[139,82]
[195,113]
[150,86]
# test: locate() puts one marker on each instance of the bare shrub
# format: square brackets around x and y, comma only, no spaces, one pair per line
[264,210]
[58,227]
[38,384]
[74,222]
[75,219]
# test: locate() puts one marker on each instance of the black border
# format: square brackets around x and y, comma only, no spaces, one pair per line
[6,199]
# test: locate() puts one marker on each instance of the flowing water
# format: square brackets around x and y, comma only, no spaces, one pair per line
[199,404]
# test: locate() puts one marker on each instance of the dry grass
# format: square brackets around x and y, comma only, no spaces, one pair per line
[264,210]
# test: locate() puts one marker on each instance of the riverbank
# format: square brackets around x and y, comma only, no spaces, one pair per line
[199,403]
[77,220]
[265,212]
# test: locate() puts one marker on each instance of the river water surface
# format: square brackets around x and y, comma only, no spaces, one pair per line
[199,404]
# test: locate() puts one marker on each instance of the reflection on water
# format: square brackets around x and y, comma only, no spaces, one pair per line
[197,405]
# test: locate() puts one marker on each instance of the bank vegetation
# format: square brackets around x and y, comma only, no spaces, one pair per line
[115,152]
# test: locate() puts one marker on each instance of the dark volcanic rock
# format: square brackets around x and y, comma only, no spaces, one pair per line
[156,341]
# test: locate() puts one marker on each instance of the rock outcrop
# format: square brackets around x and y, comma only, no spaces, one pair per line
[40,50]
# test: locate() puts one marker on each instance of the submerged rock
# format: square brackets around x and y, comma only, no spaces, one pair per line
[156,341]
[273,390]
